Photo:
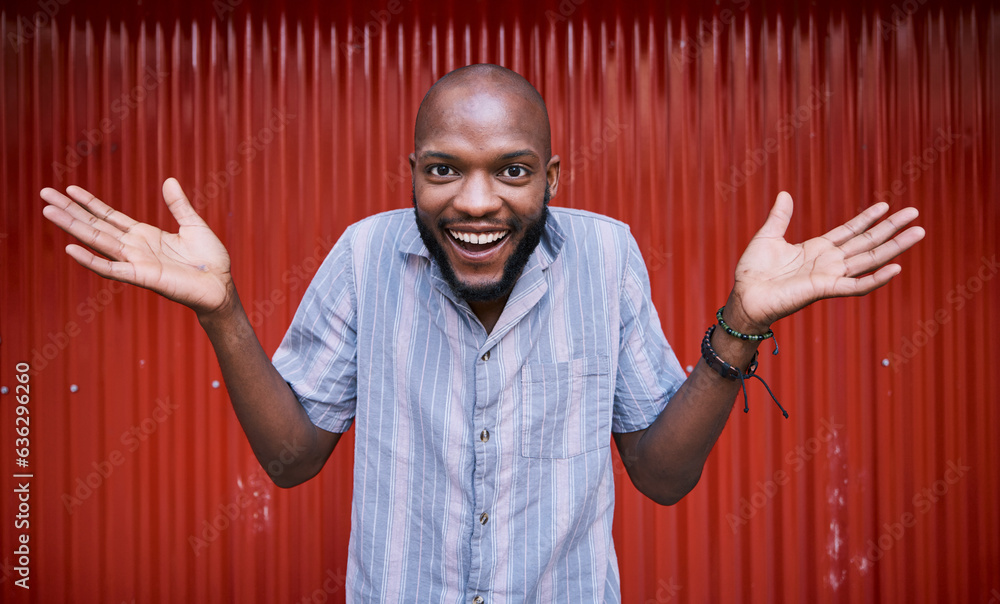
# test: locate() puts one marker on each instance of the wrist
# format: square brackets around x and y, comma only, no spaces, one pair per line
[735,358]
[739,320]
[224,314]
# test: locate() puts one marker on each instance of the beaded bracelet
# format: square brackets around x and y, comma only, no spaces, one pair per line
[731,372]
[742,336]
[745,336]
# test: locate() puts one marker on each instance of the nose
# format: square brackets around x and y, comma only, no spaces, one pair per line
[477,197]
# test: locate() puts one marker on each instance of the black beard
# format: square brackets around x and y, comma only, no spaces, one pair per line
[511,270]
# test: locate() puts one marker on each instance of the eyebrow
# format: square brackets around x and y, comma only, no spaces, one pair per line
[502,157]
[518,153]
[438,155]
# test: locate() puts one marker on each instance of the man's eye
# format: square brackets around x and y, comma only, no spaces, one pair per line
[440,170]
[514,172]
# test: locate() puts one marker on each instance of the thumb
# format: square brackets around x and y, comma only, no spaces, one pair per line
[178,204]
[779,217]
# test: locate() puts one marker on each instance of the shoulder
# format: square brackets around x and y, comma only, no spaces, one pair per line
[384,222]
[585,217]
[588,231]
[594,245]
[375,233]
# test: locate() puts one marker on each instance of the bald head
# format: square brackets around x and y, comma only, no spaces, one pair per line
[492,96]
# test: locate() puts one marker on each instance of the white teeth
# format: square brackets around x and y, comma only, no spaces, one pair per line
[480,238]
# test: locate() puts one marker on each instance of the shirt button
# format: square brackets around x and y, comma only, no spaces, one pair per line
[486,356]
[478,600]
[484,435]
[484,518]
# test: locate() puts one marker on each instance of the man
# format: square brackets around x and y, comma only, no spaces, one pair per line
[485,352]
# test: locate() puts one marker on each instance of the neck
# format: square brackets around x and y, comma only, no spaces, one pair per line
[489,313]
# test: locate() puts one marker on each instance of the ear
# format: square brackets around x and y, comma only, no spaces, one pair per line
[552,174]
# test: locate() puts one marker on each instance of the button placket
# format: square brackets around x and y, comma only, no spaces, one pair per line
[489,389]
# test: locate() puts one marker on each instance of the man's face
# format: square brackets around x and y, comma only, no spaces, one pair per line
[481,185]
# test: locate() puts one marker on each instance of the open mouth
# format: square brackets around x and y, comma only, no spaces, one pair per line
[478,243]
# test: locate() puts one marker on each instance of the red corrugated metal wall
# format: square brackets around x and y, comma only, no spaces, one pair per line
[288,121]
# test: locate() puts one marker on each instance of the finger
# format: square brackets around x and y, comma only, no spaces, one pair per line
[119,271]
[106,243]
[100,210]
[779,217]
[865,285]
[60,204]
[857,225]
[880,233]
[873,259]
[55,198]
[178,204]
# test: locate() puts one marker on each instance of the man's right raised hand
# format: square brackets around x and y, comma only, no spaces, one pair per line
[190,266]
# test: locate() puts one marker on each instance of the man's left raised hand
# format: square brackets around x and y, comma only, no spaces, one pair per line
[775,278]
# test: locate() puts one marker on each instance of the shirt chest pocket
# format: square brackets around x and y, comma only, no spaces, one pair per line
[565,407]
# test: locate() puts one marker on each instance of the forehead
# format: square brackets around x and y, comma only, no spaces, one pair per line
[472,120]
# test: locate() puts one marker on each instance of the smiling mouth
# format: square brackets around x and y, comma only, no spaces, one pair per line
[478,243]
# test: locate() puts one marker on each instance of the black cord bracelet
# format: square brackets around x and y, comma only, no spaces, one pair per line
[733,373]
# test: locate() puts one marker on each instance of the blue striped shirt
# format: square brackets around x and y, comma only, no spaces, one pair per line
[482,461]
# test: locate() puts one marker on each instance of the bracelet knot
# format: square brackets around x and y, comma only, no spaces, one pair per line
[734,373]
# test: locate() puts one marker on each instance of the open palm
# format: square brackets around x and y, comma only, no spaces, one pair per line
[775,278]
[190,267]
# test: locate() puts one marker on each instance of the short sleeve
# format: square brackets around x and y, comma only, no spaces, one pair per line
[648,370]
[318,355]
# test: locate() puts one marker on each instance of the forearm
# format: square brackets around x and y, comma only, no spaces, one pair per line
[287,444]
[665,461]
